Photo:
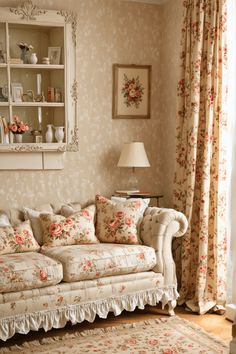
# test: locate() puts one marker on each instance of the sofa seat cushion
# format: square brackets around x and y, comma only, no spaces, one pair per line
[82,262]
[21,271]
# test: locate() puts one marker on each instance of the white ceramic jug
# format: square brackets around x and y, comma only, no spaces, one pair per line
[49,134]
[59,134]
[33,58]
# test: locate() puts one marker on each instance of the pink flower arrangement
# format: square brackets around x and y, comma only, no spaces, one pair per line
[17,126]
[133,91]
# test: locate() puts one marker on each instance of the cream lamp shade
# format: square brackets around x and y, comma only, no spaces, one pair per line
[133,155]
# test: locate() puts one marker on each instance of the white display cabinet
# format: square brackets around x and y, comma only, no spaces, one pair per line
[40,93]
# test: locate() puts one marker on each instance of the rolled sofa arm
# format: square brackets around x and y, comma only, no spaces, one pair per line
[158,227]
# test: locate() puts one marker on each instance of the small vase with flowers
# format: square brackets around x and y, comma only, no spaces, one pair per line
[25,49]
[18,128]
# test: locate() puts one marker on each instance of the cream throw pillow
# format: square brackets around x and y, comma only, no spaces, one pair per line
[118,222]
[75,229]
[17,239]
[33,216]
[4,220]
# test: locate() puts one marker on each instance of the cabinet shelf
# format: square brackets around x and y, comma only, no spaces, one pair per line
[49,145]
[51,34]
[27,147]
[37,66]
[37,104]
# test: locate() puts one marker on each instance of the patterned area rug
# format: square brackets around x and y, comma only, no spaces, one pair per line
[171,335]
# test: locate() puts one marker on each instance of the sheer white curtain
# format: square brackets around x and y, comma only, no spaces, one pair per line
[231,284]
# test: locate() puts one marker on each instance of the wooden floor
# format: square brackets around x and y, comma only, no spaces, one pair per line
[212,323]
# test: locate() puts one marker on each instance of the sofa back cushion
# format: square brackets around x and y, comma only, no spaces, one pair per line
[75,229]
[118,222]
[66,208]
[17,239]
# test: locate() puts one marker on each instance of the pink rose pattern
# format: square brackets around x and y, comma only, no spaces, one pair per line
[77,229]
[200,178]
[17,239]
[118,223]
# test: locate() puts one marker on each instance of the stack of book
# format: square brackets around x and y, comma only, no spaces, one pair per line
[16,61]
[127,193]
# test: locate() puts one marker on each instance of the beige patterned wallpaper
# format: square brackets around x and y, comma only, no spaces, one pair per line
[171,23]
[110,31]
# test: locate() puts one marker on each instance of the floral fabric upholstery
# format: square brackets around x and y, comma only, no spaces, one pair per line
[118,222]
[21,271]
[75,229]
[95,261]
[17,239]
[65,294]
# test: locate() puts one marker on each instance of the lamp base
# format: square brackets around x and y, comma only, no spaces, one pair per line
[133,182]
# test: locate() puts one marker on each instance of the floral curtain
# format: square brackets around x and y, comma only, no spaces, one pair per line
[200,177]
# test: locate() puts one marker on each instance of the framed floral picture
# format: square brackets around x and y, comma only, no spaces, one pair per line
[131,91]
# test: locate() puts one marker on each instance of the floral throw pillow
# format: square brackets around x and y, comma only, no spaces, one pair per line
[75,229]
[118,222]
[17,239]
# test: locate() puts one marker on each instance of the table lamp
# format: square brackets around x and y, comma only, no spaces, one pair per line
[133,155]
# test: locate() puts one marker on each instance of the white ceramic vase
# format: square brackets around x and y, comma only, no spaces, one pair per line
[59,134]
[49,134]
[18,138]
[33,58]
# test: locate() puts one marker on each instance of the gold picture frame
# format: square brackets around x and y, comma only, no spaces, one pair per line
[131,91]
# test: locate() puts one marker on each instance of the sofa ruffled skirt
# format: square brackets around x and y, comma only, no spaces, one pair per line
[54,306]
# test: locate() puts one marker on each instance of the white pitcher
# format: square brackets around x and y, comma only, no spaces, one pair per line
[59,134]
[33,58]
[49,134]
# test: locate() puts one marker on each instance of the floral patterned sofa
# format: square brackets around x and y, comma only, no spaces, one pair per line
[61,263]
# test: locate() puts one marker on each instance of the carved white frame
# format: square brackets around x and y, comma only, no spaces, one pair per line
[28,13]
